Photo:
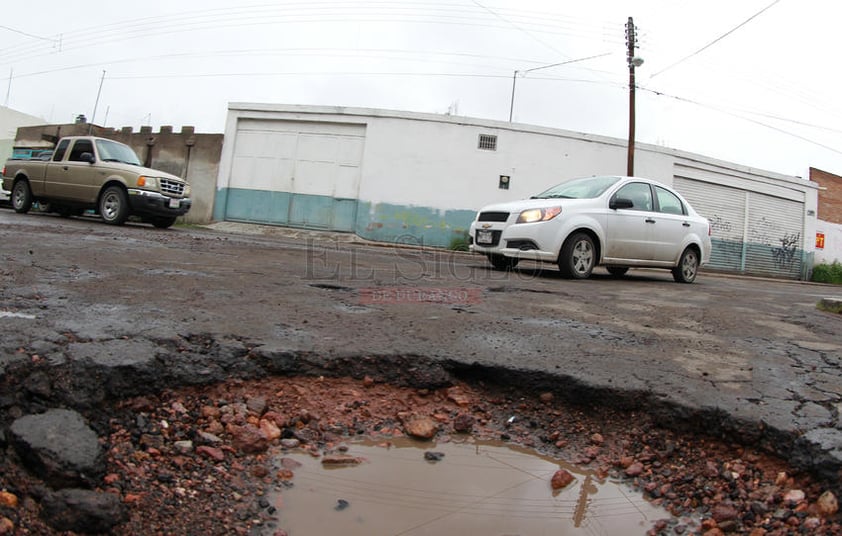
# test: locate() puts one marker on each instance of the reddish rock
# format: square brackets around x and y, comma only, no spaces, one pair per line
[270,429]
[561,479]
[341,459]
[458,397]
[463,423]
[597,439]
[828,504]
[421,427]
[248,439]
[9,500]
[211,412]
[211,452]
[546,398]
[6,526]
[368,381]
[626,461]
[723,512]
[290,463]
[635,469]
[794,496]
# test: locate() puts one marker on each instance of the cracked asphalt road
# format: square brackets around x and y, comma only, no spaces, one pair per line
[752,358]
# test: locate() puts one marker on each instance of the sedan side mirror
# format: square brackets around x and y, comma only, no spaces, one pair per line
[620,202]
[87,157]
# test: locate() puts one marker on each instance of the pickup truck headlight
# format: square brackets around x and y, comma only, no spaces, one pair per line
[147,182]
[538,214]
[186,190]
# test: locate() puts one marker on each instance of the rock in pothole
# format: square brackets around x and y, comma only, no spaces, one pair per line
[59,447]
[83,511]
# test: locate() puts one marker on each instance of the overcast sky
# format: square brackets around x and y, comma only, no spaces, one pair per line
[754,82]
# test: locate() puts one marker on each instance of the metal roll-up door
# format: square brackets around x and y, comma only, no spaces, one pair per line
[775,239]
[725,208]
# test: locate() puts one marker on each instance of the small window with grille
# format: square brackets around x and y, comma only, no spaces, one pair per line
[487,142]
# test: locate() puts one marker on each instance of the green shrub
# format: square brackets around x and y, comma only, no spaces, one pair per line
[459,243]
[828,273]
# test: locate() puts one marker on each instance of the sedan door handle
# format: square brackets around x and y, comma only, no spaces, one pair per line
[65,168]
[650,220]
[686,224]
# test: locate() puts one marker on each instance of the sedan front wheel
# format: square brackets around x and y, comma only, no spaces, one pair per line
[578,256]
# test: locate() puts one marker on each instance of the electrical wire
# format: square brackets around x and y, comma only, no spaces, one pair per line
[718,39]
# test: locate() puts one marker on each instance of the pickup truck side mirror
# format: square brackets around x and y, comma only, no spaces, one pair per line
[87,157]
[620,202]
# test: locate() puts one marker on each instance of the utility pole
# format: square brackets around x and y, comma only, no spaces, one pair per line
[633,61]
[9,89]
[96,104]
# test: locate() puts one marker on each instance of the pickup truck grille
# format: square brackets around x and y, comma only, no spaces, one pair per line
[171,187]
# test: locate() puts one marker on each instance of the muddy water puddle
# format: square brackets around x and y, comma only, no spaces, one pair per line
[475,487]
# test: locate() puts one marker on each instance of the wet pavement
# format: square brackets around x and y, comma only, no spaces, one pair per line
[751,359]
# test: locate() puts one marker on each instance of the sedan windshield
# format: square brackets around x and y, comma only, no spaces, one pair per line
[112,151]
[584,188]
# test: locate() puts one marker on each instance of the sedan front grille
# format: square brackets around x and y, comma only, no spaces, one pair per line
[493,216]
[171,187]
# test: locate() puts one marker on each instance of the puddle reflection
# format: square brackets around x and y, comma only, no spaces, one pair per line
[477,487]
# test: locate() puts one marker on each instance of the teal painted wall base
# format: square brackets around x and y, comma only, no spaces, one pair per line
[379,222]
[284,208]
[421,226]
[759,259]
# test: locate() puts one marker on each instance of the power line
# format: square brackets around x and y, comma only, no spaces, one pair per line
[33,36]
[720,38]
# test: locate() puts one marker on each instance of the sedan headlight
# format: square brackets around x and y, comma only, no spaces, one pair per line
[538,214]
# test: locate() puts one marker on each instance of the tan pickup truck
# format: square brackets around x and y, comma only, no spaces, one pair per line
[90,173]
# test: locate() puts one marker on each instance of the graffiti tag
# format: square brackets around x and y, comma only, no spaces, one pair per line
[784,256]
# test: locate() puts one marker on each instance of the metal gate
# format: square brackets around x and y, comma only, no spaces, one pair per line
[296,173]
[751,232]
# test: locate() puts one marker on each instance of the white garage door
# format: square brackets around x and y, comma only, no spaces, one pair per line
[300,173]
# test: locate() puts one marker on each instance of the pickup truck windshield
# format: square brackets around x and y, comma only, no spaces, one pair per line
[112,151]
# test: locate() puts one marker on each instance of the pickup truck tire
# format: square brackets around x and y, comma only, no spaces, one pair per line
[21,196]
[114,205]
[163,222]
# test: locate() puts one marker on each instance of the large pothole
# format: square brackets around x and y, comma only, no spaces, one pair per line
[192,429]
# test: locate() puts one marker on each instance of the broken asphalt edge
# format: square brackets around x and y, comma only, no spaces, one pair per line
[89,385]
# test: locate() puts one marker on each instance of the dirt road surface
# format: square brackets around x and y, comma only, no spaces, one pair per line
[749,359]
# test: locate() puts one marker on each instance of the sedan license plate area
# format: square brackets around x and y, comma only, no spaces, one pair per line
[485,237]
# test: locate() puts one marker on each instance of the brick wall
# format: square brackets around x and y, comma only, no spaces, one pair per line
[830,196]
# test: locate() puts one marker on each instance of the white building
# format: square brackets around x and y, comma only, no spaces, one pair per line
[10,120]
[420,178]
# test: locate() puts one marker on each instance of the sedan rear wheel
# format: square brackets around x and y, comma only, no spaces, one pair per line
[578,256]
[688,267]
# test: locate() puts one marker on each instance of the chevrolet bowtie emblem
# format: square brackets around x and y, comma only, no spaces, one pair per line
[486,225]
